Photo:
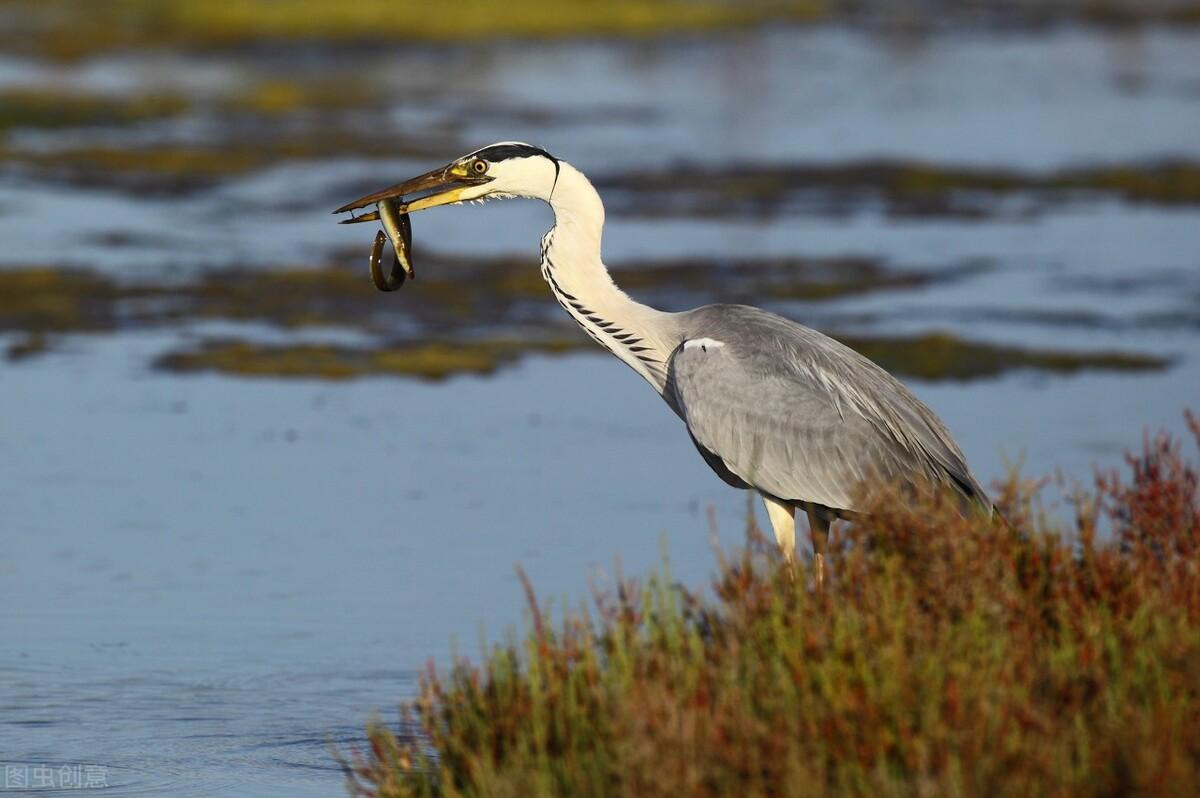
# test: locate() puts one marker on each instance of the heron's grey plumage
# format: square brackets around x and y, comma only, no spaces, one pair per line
[770,404]
[798,415]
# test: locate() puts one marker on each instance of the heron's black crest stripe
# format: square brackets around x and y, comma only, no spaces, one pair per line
[502,152]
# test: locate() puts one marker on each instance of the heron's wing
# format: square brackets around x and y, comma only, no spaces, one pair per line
[797,415]
[718,465]
[778,434]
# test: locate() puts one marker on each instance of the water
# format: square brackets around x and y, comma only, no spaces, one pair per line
[205,579]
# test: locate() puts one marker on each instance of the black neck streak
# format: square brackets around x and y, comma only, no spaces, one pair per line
[602,331]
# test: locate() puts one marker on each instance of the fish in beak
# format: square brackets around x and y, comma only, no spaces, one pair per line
[399,229]
[439,187]
[444,186]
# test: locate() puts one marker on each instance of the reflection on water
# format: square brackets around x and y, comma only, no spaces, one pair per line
[206,577]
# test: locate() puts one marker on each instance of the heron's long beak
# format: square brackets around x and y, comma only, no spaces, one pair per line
[444,186]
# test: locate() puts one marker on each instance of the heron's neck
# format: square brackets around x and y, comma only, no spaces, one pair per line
[638,334]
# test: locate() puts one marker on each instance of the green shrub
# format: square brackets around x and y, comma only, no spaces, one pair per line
[945,656]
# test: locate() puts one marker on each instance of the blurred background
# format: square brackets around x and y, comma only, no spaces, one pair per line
[244,496]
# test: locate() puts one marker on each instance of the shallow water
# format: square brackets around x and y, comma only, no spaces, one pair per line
[205,578]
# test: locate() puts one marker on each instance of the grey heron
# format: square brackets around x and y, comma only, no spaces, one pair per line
[771,405]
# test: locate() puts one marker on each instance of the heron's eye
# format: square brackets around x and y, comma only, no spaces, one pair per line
[479,166]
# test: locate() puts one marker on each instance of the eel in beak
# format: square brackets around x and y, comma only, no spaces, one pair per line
[440,187]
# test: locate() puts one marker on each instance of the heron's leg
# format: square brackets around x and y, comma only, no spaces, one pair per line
[818,529]
[783,521]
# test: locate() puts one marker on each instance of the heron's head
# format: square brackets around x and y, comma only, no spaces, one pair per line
[507,169]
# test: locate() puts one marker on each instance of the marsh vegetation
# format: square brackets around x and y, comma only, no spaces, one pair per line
[949,656]
[473,317]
